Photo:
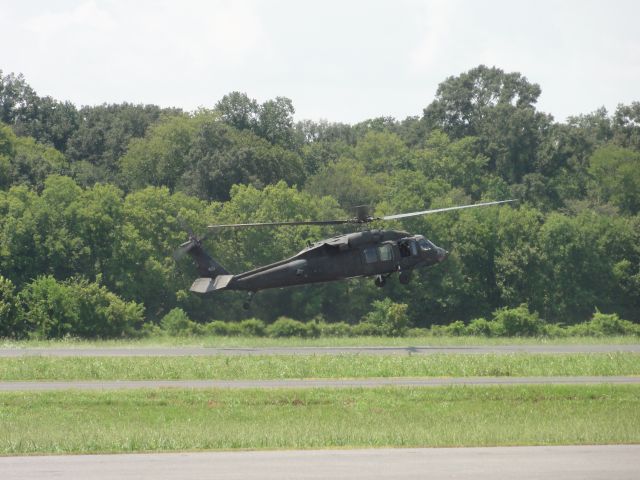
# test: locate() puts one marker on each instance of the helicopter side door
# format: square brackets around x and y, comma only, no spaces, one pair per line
[380,258]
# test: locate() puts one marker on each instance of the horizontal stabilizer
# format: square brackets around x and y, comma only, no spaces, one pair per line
[206,284]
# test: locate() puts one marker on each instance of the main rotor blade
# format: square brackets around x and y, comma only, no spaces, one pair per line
[280,224]
[437,210]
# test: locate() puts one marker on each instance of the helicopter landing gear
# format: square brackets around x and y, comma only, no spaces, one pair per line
[247,303]
[380,281]
[404,277]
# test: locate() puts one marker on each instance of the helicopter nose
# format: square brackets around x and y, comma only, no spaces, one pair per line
[442,254]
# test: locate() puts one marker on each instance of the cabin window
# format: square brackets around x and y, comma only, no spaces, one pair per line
[386,253]
[370,255]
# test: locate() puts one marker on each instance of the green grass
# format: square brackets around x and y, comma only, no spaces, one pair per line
[212,341]
[316,366]
[169,420]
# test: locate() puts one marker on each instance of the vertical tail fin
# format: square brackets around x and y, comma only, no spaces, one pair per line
[207,266]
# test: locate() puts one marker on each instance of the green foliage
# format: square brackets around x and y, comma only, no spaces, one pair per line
[55,309]
[222,329]
[10,313]
[389,317]
[287,327]
[480,327]
[616,177]
[569,246]
[338,329]
[51,310]
[602,324]
[518,322]
[178,323]
[252,327]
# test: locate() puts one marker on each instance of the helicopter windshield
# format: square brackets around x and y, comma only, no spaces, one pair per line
[426,245]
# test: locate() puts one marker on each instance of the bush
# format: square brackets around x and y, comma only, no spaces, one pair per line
[391,318]
[252,327]
[178,323]
[518,322]
[287,327]
[456,329]
[11,317]
[219,328]
[338,329]
[76,307]
[480,327]
[367,329]
[51,309]
[602,324]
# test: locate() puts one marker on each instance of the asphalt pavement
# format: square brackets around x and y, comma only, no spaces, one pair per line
[372,350]
[620,462]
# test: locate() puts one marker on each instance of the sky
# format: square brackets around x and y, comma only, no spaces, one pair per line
[342,61]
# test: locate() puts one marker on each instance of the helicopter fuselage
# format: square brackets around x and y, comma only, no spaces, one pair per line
[376,253]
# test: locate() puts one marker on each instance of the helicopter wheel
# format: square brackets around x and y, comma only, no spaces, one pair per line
[247,303]
[380,281]
[404,277]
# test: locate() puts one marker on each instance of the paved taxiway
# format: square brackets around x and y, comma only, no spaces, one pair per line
[204,351]
[620,462]
[41,386]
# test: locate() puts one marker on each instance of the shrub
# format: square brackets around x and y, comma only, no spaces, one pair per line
[602,324]
[51,309]
[417,332]
[390,317]
[338,329]
[252,327]
[518,322]
[11,324]
[367,329]
[219,328]
[456,329]
[287,327]
[480,327]
[102,313]
[76,307]
[178,323]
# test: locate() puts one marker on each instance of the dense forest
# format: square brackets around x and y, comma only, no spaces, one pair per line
[93,202]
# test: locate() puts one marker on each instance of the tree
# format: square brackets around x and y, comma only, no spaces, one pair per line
[222,156]
[239,111]
[275,122]
[626,126]
[499,109]
[615,174]
[10,314]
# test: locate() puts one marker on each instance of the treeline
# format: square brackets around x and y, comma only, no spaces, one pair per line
[100,195]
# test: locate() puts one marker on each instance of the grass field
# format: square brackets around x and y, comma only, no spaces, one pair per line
[316,366]
[212,341]
[165,420]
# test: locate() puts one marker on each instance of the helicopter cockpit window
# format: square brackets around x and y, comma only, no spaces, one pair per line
[414,248]
[370,255]
[386,253]
[425,244]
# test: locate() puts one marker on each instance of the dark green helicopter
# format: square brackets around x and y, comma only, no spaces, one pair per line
[368,253]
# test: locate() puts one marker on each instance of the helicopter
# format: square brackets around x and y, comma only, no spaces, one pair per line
[367,253]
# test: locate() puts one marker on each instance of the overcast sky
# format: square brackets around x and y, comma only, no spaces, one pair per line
[337,60]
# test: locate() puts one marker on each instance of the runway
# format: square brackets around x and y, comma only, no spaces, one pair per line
[620,462]
[42,386]
[372,350]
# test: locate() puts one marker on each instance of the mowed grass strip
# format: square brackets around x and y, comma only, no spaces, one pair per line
[166,420]
[316,366]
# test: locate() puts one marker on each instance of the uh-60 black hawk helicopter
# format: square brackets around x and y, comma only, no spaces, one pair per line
[368,253]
